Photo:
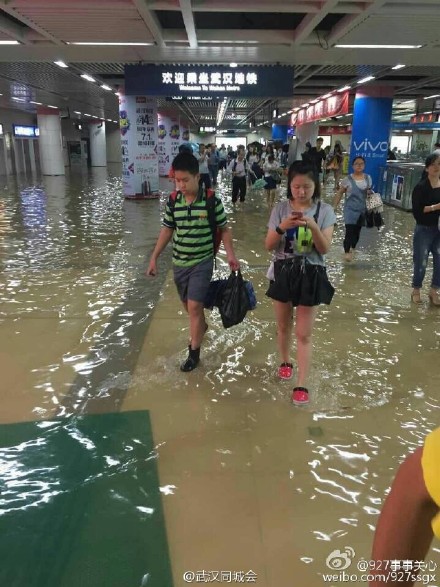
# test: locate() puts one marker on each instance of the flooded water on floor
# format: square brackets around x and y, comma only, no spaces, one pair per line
[247,481]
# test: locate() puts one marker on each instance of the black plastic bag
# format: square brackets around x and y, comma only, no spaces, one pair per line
[233,300]
[216,287]
[374,219]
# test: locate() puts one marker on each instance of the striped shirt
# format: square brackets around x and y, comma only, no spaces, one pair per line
[192,238]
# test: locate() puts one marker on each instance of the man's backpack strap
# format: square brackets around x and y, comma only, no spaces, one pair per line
[216,232]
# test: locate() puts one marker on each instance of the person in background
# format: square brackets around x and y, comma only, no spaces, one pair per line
[269,167]
[253,161]
[391,155]
[299,233]
[187,224]
[213,163]
[426,211]
[334,163]
[205,178]
[317,156]
[239,169]
[410,515]
[436,149]
[305,155]
[355,187]
[223,157]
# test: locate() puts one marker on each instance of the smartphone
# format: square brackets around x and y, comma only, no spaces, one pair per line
[297,214]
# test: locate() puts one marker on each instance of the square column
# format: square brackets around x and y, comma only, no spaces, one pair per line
[50,141]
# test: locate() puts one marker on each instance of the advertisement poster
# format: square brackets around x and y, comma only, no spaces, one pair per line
[336,105]
[175,140]
[397,188]
[138,126]
[169,140]
[371,130]
[184,132]
[163,143]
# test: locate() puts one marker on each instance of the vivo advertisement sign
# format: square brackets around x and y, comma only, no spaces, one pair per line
[29,132]
[208,81]
[370,134]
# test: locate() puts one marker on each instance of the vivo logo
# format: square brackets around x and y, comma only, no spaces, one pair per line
[367,145]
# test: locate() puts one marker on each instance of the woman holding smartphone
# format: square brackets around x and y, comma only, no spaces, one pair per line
[299,233]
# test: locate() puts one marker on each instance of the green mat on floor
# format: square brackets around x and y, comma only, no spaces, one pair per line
[80,504]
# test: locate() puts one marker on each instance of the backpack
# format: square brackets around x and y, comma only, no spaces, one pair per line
[210,209]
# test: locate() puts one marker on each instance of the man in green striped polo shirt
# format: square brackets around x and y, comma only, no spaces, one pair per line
[187,224]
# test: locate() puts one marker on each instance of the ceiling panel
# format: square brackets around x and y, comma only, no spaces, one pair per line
[395,29]
[289,32]
[112,20]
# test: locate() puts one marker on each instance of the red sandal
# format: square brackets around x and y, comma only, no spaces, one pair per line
[300,396]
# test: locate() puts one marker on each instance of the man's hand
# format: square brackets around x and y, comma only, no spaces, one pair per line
[152,269]
[233,263]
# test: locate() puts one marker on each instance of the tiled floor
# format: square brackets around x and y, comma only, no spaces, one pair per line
[248,482]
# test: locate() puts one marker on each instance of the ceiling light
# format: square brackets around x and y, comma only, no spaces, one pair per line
[92,43]
[32,102]
[433,96]
[61,64]
[344,88]
[18,99]
[89,78]
[87,114]
[76,112]
[9,43]
[109,120]
[108,88]
[54,107]
[379,46]
[407,131]
[366,79]
[233,64]
[398,66]
[117,94]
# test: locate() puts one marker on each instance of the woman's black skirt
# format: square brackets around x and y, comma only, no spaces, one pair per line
[271,184]
[301,283]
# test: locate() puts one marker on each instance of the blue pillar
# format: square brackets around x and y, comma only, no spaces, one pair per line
[371,128]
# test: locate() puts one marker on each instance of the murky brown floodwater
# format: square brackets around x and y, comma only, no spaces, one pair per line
[289,486]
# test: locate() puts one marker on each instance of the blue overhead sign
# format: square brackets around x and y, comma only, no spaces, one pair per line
[30,132]
[208,81]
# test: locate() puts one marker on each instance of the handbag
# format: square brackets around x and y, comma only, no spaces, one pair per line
[276,176]
[333,164]
[374,202]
